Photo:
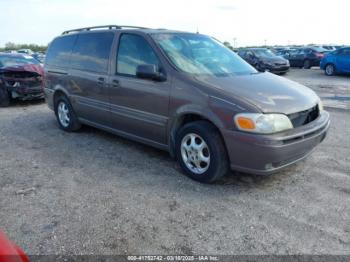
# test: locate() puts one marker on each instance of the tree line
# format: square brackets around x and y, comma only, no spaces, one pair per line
[13,46]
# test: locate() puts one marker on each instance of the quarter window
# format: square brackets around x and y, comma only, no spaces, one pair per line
[91,52]
[60,50]
[133,51]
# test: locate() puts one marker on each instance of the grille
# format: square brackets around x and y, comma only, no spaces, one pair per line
[23,83]
[304,117]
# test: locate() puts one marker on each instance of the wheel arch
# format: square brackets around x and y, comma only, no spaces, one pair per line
[330,63]
[58,91]
[187,116]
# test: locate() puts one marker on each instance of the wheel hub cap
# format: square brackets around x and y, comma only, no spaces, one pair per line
[195,153]
[329,70]
[63,114]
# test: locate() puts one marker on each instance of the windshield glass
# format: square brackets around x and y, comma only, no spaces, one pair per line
[264,53]
[198,54]
[8,60]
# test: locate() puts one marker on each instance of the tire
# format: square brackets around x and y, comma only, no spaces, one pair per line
[213,149]
[329,70]
[4,97]
[307,64]
[66,117]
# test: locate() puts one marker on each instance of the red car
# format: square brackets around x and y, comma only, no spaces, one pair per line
[9,252]
[20,78]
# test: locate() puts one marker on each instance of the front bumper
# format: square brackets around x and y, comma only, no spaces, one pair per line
[267,154]
[278,69]
[27,93]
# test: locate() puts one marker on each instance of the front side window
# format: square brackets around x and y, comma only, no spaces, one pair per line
[91,52]
[198,54]
[133,51]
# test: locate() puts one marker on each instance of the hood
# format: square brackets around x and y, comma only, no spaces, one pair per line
[32,68]
[268,92]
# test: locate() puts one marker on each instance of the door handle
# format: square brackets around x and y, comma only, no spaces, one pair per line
[100,81]
[115,83]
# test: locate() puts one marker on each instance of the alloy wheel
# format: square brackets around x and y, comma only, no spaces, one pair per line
[63,114]
[195,153]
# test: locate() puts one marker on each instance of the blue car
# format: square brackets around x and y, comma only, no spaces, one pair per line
[337,62]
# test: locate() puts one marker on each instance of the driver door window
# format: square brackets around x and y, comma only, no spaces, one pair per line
[133,51]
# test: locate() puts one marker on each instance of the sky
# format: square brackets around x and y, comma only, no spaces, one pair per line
[243,22]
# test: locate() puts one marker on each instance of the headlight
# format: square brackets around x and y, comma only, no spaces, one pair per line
[320,106]
[262,123]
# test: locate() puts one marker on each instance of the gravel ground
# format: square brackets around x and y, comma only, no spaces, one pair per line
[94,193]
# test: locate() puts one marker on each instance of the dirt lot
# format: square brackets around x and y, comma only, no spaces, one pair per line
[94,193]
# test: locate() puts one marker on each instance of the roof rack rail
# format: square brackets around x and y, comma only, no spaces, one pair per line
[110,27]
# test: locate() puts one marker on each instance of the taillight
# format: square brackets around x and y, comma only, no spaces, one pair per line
[319,54]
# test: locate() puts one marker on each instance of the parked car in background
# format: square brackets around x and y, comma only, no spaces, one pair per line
[336,62]
[329,47]
[264,59]
[20,78]
[185,93]
[25,51]
[39,56]
[306,57]
[283,52]
[11,51]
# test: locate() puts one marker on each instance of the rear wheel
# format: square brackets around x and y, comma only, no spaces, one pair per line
[201,152]
[4,97]
[307,64]
[65,115]
[329,70]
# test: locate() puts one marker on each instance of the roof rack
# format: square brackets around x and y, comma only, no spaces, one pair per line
[110,27]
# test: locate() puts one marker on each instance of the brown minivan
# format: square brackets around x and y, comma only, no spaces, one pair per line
[184,93]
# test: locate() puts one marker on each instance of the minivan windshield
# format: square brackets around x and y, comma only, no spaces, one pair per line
[199,54]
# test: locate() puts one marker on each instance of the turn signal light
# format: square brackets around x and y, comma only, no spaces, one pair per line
[245,123]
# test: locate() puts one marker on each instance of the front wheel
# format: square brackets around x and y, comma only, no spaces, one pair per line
[307,64]
[329,70]
[201,152]
[4,98]
[65,114]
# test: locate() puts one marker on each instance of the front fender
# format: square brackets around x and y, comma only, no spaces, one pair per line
[189,109]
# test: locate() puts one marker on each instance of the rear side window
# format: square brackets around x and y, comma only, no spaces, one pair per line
[91,52]
[60,50]
[133,51]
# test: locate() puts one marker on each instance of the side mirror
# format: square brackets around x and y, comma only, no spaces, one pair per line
[149,72]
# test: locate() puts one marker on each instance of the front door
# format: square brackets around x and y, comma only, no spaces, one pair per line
[139,107]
